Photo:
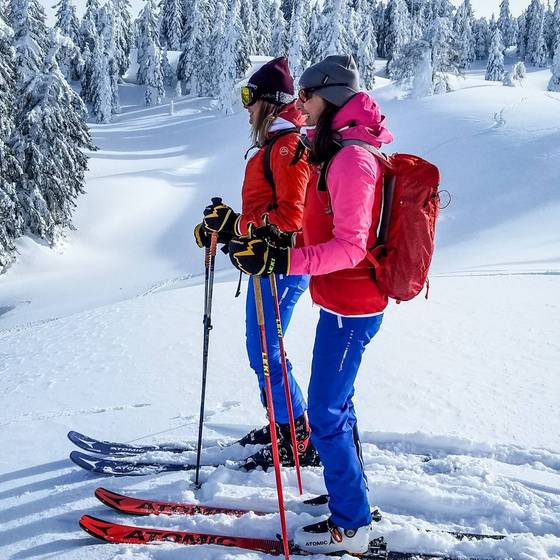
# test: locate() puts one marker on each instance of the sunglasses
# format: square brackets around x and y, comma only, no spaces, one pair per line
[305,94]
[248,95]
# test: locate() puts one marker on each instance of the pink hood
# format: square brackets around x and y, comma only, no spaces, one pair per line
[360,119]
[364,121]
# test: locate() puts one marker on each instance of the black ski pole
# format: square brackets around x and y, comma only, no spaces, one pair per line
[209,264]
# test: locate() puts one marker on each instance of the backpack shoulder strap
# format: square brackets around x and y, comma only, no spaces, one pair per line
[267,152]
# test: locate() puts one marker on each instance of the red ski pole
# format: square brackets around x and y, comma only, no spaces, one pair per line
[274,291]
[271,418]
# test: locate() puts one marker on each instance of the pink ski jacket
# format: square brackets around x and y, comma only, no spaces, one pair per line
[339,225]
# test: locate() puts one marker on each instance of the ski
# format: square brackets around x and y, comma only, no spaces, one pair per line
[102,465]
[131,534]
[143,506]
[123,449]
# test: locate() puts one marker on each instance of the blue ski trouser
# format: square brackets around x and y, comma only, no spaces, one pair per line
[337,354]
[290,289]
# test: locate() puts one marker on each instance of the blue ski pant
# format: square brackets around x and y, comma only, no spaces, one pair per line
[290,289]
[337,354]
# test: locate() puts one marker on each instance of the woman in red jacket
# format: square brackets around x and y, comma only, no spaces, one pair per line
[277,190]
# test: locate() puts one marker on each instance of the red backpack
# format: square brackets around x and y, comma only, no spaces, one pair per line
[403,253]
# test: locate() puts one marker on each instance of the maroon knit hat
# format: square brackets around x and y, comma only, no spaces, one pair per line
[273,81]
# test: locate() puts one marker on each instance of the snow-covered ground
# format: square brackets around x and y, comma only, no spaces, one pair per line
[104,336]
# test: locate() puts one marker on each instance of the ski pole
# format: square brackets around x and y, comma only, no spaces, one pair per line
[209,263]
[271,418]
[274,291]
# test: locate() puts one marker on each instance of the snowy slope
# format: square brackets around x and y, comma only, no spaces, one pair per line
[104,336]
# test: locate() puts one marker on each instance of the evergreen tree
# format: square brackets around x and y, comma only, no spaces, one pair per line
[229,59]
[397,23]
[536,49]
[155,91]
[50,139]
[216,39]
[123,34]
[315,22]
[263,37]
[297,41]
[89,22]
[554,83]
[10,212]
[171,24]
[522,35]
[515,77]
[506,24]
[86,90]
[108,26]
[278,45]
[495,67]
[67,21]
[367,47]
[249,22]
[412,68]
[380,29]
[100,90]
[334,35]
[287,7]
[445,56]
[481,33]
[169,76]
[462,29]
[27,19]
[556,24]
[147,35]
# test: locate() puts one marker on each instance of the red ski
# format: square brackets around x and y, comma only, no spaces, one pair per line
[140,506]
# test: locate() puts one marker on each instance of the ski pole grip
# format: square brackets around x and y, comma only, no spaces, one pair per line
[216,200]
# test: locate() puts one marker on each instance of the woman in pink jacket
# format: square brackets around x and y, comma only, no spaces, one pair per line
[341,216]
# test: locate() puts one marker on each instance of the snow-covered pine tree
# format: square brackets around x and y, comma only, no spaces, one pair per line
[89,22]
[27,20]
[148,34]
[10,171]
[481,33]
[515,77]
[230,65]
[506,24]
[556,23]
[334,33]
[263,36]
[287,7]
[521,38]
[554,83]
[297,41]
[445,57]
[108,26]
[249,22]
[123,34]
[50,139]
[405,65]
[171,24]
[366,44]
[495,67]
[66,20]
[155,91]
[380,29]
[397,24]
[536,49]
[100,91]
[190,71]
[278,46]
[462,30]
[314,38]
[215,39]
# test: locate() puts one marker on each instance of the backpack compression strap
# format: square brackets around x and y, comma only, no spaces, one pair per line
[266,162]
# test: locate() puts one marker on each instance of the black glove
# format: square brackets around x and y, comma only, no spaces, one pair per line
[273,235]
[220,217]
[203,236]
[256,256]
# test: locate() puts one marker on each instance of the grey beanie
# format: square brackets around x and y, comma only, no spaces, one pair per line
[334,69]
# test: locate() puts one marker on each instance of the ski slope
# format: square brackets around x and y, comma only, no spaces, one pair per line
[104,335]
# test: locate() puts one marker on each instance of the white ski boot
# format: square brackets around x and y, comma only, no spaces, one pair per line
[325,538]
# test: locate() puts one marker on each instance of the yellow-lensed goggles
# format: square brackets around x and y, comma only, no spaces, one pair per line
[248,95]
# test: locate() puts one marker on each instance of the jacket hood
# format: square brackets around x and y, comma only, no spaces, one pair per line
[292,114]
[361,119]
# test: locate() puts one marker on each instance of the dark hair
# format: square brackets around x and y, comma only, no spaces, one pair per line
[324,146]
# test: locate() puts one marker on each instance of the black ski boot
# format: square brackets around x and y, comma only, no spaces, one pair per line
[258,436]
[308,456]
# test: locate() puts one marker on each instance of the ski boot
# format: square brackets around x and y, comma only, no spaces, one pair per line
[324,537]
[258,436]
[308,456]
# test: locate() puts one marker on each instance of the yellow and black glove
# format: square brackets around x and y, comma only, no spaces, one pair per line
[220,217]
[203,236]
[256,256]
[273,235]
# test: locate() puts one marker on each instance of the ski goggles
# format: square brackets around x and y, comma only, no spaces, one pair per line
[306,93]
[248,95]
